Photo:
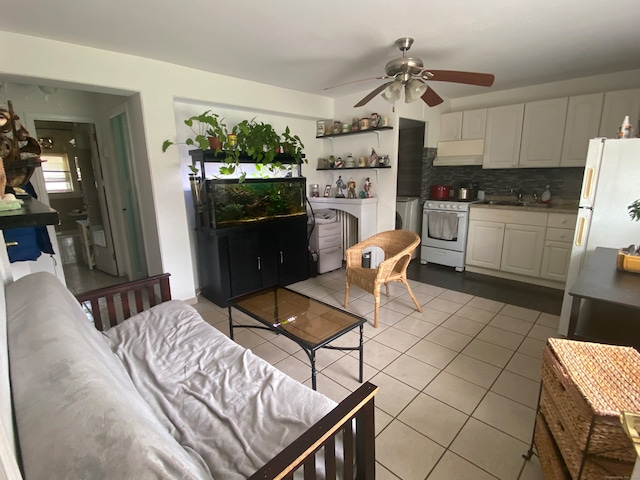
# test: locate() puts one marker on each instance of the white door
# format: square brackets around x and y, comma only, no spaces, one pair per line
[616,106]
[135,265]
[484,244]
[522,250]
[93,190]
[542,133]
[502,141]
[474,124]
[450,126]
[583,121]
[555,260]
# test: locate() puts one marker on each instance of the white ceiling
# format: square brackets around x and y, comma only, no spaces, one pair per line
[307,46]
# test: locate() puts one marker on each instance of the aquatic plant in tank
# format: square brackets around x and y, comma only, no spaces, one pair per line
[255,200]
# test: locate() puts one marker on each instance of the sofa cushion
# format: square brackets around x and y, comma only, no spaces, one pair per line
[78,414]
[217,398]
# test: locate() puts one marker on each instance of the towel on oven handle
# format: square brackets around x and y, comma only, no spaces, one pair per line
[443,226]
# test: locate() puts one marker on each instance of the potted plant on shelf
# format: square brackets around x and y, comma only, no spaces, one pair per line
[262,143]
[209,131]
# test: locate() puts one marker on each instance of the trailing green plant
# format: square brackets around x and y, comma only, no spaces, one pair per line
[292,145]
[203,126]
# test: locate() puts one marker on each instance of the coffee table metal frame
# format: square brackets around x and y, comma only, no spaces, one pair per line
[308,348]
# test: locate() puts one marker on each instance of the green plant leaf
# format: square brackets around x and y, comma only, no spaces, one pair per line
[166,144]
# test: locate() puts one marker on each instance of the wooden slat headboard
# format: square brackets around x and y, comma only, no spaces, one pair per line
[119,302]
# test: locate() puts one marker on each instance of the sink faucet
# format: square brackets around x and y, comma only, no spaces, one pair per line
[516,193]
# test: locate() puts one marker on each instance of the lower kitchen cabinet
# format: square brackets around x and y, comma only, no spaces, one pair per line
[484,244]
[239,260]
[557,248]
[529,246]
[555,260]
[522,249]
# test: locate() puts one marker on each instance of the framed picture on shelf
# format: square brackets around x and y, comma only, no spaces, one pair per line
[327,191]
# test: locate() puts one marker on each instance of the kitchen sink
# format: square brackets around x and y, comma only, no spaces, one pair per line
[514,203]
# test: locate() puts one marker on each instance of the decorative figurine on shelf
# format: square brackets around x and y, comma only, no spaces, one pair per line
[340,186]
[367,188]
[351,188]
[373,158]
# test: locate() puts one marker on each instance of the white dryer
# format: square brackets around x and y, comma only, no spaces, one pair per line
[408,216]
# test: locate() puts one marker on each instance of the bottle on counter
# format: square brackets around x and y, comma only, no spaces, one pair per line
[625,128]
[546,196]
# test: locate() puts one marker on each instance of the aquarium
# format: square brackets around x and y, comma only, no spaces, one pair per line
[231,204]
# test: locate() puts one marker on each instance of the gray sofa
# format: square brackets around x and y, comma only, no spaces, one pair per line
[162,395]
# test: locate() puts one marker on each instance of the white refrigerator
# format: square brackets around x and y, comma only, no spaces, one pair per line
[610,184]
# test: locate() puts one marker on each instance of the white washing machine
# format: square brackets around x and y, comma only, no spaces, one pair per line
[408,216]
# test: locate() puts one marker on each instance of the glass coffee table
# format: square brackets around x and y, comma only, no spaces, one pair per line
[310,323]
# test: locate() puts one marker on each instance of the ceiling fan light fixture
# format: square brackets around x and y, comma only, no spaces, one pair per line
[393,92]
[414,90]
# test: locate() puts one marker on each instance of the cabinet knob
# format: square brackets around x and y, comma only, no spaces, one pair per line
[281,257]
[259,268]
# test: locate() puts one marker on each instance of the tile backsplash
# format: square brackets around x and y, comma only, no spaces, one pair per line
[565,183]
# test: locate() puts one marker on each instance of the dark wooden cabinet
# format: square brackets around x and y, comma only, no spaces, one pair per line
[251,234]
[239,260]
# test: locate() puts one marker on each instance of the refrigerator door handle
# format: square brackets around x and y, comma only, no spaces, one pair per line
[588,182]
[580,231]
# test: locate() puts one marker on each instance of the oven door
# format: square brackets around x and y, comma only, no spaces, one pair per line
[445,229]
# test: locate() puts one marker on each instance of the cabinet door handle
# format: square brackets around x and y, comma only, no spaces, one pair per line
[259,268]
[281,257]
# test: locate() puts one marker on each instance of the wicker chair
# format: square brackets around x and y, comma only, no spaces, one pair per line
[397,245]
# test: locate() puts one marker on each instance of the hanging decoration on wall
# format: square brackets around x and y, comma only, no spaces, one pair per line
[19,152]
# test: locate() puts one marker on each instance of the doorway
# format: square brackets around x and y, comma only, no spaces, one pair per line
[75,185]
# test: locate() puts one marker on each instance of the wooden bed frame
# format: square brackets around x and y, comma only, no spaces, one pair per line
[117,303]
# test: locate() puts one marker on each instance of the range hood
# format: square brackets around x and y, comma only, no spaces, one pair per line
[461,152]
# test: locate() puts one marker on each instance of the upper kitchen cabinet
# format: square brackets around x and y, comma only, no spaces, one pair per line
[503,135]
[469,125]
[542,133]
[616,106]
[450,127]
[583,122]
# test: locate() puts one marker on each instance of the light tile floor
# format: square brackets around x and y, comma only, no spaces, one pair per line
[458,382]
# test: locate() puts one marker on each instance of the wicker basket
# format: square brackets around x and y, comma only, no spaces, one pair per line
[589,382]
[550,458]
[595,467]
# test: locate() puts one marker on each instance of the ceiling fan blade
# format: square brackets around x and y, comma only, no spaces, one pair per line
[375,92]
[431,98]
[356,81]
[470,78]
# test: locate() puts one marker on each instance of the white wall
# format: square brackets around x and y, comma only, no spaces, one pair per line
[158,84]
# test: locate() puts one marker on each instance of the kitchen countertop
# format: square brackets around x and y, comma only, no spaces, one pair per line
[560,207]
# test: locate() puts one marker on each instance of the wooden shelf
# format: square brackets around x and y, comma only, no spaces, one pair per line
[355,168]
[369,130]
[32,214]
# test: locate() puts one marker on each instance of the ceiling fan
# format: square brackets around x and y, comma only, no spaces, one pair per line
[409,74]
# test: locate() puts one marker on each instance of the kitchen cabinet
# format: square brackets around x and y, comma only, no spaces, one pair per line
[503,135]
[616,106]
[519,244]
[235,261]
[450,127]
[557,248]
[484,244]
[467,125]
[522,249]
[542,133]
[582,124]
